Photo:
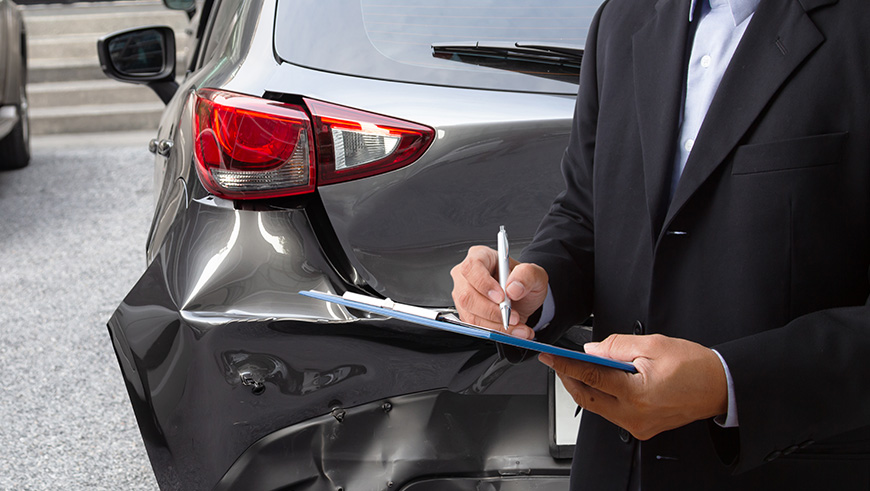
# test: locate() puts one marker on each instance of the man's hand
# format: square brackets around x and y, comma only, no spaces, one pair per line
[477,293]
[678,382]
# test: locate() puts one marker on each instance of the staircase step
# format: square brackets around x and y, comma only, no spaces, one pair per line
[95,118]
[99,20]
[65,46]
[87,92]
[62,69]
[68,92]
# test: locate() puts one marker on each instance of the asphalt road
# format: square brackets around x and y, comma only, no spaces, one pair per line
[72,235]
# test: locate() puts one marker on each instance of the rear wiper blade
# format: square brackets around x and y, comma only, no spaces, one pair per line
[531,52]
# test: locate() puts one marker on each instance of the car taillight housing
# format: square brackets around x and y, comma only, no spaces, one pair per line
[352,144]
[247,147]
[252,148]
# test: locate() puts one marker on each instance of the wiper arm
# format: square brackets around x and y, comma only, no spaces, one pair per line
[531,52]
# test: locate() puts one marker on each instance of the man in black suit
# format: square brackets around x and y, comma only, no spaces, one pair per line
[719,232]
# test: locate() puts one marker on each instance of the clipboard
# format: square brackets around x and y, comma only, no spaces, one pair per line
[448,322]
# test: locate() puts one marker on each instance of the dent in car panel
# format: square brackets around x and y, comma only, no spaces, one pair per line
[457,442]
[256,369]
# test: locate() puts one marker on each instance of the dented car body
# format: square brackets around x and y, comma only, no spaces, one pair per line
[238,382]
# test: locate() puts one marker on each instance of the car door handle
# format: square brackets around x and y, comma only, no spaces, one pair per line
[160,147]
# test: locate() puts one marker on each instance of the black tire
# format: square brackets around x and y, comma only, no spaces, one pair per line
[15,147]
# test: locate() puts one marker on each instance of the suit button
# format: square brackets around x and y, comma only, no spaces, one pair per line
[773,455]
[625,436]
[638,327]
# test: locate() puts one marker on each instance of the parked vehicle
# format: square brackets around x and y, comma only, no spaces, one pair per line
[14,123]
[342,146]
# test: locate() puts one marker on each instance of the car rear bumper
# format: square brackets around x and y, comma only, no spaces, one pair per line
[235,379]
[426,441]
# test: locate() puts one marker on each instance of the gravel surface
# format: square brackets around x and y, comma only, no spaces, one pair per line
[72,237]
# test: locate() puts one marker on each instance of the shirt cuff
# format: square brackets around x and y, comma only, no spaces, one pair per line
[547,312]
[729,419]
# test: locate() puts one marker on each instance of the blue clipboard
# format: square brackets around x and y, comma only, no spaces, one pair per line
[470,330]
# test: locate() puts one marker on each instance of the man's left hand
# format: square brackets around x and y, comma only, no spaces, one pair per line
[678,382]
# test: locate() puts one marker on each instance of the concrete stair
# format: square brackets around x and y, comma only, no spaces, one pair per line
[68,92]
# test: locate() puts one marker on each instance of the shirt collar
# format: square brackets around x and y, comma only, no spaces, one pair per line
[740,9]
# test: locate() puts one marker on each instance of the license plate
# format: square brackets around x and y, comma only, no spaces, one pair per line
[564,423]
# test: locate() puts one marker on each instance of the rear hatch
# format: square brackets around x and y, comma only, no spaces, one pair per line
[495,81]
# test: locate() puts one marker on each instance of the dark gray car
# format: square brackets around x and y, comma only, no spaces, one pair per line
[14,123]
[360,146]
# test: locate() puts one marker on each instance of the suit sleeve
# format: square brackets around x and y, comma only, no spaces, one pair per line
[563,243]
[801,388]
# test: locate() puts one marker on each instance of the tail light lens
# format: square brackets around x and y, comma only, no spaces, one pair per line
[352,144]
[252,148]
[247,147]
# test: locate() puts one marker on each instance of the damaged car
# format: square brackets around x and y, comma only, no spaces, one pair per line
[348,146]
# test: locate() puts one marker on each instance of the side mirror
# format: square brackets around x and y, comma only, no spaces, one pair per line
[186,5]
[144,55]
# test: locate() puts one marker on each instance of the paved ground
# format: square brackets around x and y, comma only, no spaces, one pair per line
[72,235]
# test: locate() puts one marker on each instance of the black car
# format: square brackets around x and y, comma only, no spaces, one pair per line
[14,123]
[354,145]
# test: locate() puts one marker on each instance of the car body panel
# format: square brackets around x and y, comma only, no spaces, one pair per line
[457,434]
[221,330]
[527,129]
[8,18]
[515,140]
[11,64]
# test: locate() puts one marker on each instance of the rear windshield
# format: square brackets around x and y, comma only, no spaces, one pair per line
[393,39]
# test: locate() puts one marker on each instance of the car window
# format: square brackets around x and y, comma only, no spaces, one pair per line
[197,30]
[223,18]
[393,39]
[406,31]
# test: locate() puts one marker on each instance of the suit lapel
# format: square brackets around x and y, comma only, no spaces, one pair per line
[779,37]
[658,51]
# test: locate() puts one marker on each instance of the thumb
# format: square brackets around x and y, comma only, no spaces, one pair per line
[620,347]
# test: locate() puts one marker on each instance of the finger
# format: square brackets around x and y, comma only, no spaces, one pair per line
[527,289]
[479,269]
[624,347]
[522,331]
[587,397]
[608,380]
[527,279]
[475,308]
[473,301]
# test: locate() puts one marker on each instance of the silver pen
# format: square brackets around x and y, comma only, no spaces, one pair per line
[503,272]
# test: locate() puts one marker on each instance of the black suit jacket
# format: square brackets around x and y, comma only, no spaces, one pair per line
[763,252]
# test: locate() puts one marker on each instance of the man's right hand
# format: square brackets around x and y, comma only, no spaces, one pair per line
[477,293]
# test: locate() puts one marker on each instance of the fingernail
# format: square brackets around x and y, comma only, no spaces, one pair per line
[495,295]
[516,289]
[515,318]
[590,346]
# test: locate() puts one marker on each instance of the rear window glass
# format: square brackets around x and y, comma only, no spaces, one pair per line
[393,39]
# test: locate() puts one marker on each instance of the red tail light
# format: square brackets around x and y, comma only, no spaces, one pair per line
[252,148]
[352,144]
[248,147]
